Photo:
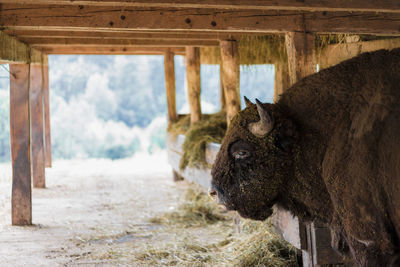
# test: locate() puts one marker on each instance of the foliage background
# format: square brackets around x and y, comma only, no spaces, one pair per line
[115,106]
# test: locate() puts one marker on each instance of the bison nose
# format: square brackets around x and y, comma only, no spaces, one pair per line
[212,192]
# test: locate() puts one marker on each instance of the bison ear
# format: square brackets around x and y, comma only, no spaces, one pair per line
[247,101]
[264,125]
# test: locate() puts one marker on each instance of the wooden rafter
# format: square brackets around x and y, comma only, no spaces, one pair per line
[45,42]
[114,50]
[68,17]
[126,34]
[310,5]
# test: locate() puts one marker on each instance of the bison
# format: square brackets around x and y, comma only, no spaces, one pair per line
[329,149]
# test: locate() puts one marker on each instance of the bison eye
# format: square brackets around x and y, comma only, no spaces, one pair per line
[241,154]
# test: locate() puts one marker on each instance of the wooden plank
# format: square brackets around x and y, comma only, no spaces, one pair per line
[300,49]
[80,18]
[36,105]
[113,50]
[125,34]
[309,5]
[14,51]
[46,105]
[169,67]
[39,42]
[282,79]
[193,82]
[334,54]
[21,199]
[230,77]
[222,100]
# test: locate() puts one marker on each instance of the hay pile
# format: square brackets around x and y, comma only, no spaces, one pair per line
[253,49]
[211,128]
[256,245]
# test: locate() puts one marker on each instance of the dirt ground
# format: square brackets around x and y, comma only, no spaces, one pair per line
[92,213]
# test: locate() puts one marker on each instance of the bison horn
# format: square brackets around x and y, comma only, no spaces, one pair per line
[264,125]
[247,101]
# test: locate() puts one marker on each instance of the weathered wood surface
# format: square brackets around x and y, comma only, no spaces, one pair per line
[290,228]
[309,5]
[334,54]
[126,34]
[21,199]
[114,50]
[282,79]
[230,77]
[89,18]
[300,48]
[46,106]
[193,82]
[169,70]
[222,100]
[14,51]
[39,42]
[37,144]
[201,176]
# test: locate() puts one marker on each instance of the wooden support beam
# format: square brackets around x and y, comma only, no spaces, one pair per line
[230,77]
[222,100]
[14,51]
[193,82]
[39,42]
[123,34]
[334,54]
[113,50]
[282,79]
[169,67]
[309,5]
[46,109]
[300,49]
[21,198]
[88,18]
[36,105]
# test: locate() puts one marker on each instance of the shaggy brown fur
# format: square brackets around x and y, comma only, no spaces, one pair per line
[333,154]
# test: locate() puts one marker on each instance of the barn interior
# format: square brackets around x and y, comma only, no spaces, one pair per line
[298,38]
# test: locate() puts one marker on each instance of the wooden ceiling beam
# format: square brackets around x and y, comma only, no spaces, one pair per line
[124,34]
[114,50]
[48,41]
[389,6]
[207,20]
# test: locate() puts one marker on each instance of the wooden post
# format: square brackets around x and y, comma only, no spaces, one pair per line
[221,89]
[21,199]
[193,82]
[169,68]
[46,104]
[300,49]
[282,79]
[230,77]
[36,100]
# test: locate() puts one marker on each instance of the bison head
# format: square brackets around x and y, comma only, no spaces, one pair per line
[254,161]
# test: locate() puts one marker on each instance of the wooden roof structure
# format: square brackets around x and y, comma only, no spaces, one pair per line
[123,26]
[32,29]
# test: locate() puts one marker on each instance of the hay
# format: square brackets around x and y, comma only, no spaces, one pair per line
[196,210]
[211,128]
[253,49]
[256,245]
